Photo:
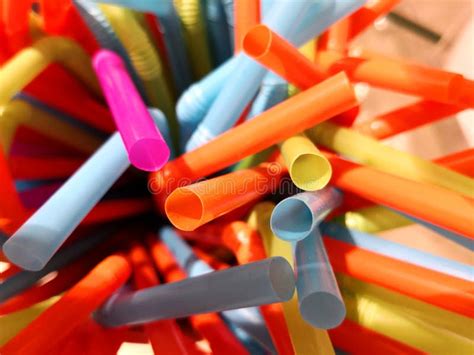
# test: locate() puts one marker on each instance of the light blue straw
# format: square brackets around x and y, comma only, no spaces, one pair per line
[319,298]
[272,91]
[297,216]
[36,241]
[398,251]
[248,319]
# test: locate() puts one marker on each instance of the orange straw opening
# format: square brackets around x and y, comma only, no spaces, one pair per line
[257,41]
[184,209]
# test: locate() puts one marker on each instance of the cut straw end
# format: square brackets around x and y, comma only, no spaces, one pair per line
[257,41]
[322,310]
[292,220]
[185,209]
[149,154]
[310,172]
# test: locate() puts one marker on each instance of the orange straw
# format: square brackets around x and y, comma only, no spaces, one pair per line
[414,198]
[280,56]
[248,247]
[15,23]
[321,102]
[246,15]
[426,285]
[192,206]
[41,335]
[338,36]
[165,336]
[355,339]
[365,16]
[111,210]
[429,83]
[462,162]
[209,325]
[406,118]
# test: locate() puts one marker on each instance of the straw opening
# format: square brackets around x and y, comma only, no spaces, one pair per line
[184,209]
[310,172]
[257,41]
[292,220]
[282,278]
[323,310]
[149,154]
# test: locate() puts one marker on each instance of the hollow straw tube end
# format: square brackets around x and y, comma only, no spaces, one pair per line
[312,179]
[292,220]
[322,310]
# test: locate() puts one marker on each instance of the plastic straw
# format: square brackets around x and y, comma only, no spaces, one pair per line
[429,83]
[247,319]
[426,285]
[106,37]
[165,335]
[355,339]
[209,325]
[267,281]
[24,279]
[338,35]
[161,123]
[462,162]
[173,39]
[366,16]
[405,118]
[409,321]
[247,246]
[72,309]
[20,113]
[308,167]
[295,217]
[194,205]
[147,150]
[278,55]
[305,338]
[244,81]
[217,31]
[14,21]
[38,239]
[405,195]
[272,91]
[247,15]
[145,60]
[389,159]
[333,96]
[195,35]
[398,251]
[320,301]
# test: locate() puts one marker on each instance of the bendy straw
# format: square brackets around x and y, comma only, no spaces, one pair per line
[38,239]
[398,251]
[308,167]
[72,309]
[297,216]
[22,68]
[320,301]
[390,160]
[146,147]
[237,287]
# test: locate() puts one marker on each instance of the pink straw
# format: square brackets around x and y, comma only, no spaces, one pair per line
[146,148]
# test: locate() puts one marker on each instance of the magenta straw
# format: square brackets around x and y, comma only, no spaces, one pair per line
[146,147]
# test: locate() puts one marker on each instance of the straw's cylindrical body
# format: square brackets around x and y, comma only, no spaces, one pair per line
[267,281]
[42,234]
[319,298]
[147,150]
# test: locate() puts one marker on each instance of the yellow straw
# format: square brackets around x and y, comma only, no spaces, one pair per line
[11,324]
[373,219]
[22,68]
[373,153]
[407,320]
[195,35]
[309,169]
[18,112]
[306,339]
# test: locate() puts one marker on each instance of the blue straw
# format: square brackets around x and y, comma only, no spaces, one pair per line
[319,298]
[173,36]
[249,319]
[161,122]
[398,251]
[38,239]
[272,91]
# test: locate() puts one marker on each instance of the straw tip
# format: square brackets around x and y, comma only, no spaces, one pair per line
[149,154]
[184,209]
[257,41]
[106,57]
[291,220]
[22,255]
[323,310]
[282,278]
[310,172]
